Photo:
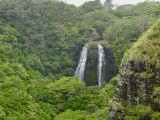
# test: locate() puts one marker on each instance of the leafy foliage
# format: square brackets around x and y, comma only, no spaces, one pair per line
[39,45]
[139,112]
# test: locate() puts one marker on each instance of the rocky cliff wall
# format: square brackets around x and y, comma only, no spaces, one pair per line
[138,83]
[111,67]
[137,89]
[91,66]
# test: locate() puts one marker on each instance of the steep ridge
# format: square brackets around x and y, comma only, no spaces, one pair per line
[137,89]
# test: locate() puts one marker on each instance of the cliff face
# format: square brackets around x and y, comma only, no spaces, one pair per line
[111,67]
[138,82]
[91,66]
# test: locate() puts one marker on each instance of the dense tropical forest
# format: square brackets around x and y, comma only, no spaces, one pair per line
[40,44]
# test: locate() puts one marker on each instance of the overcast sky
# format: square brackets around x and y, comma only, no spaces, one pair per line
[119,2]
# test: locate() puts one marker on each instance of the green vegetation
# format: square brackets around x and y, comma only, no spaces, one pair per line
[146,48]
[140,112]
[42,99]
[40,42]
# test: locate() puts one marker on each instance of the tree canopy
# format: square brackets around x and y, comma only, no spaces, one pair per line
[40,43]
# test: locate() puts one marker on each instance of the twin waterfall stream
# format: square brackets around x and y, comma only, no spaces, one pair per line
[80,70]
[82,64]
[101,65]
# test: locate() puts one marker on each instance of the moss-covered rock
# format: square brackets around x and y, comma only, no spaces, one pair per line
[91,66]
[138,81]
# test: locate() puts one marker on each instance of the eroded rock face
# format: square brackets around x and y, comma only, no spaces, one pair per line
[111,67]
[136,84]
[91,66]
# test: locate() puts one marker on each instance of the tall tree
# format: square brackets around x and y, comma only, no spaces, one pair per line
[91,6]
[108,5]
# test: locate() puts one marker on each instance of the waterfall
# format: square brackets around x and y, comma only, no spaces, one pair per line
[101,65]
[82,64]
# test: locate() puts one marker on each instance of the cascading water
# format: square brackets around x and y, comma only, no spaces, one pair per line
[101,65]
[82,64]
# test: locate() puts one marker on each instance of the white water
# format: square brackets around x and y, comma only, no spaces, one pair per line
[82,64]
[101,64]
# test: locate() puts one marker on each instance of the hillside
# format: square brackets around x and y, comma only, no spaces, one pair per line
[137,89]
[40,46]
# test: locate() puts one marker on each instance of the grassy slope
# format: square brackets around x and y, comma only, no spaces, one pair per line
[148,46]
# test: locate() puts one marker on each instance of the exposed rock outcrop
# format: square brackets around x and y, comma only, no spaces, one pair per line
[91,66]
[138,82]
[111,67]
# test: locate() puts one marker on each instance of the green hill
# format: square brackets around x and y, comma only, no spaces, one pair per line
[40,44]
[148,46]
[137,89]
